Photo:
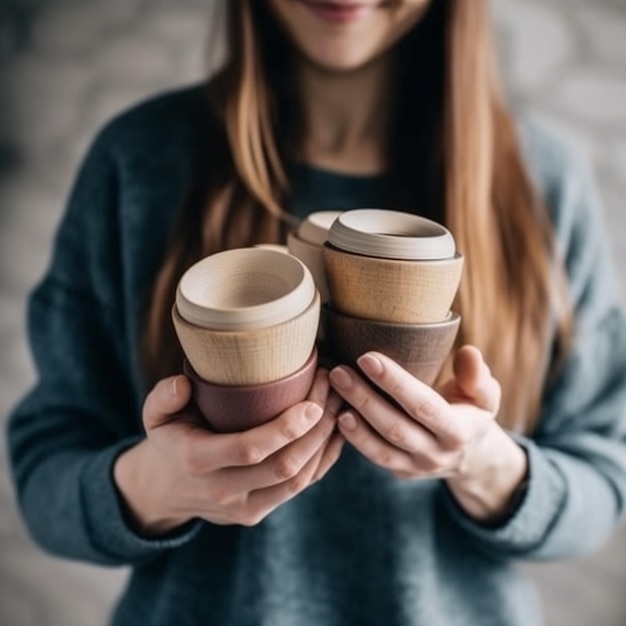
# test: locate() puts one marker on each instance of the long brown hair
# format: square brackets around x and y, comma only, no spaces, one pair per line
[512,298]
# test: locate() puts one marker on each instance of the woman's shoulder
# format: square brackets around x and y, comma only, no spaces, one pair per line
[158,123]
[552,156]
[562,173]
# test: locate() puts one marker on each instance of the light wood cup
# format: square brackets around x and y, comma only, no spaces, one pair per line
[314,228]
[306,242]
[311,255]
[408,292]
[249,357]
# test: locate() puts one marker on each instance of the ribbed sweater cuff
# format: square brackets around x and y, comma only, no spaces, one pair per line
[525,527]
[107,524]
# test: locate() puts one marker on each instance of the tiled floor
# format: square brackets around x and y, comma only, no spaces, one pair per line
[565,59]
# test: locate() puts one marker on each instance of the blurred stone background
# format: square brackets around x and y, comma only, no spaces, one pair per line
[67,65]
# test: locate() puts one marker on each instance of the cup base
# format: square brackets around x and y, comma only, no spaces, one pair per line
[237,408]
[421,349]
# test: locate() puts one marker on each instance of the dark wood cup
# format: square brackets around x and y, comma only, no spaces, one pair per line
[420,348]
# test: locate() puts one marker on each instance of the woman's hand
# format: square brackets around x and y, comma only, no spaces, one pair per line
[182,470]
[451,435]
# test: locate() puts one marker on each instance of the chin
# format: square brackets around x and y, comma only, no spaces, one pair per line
[338,58]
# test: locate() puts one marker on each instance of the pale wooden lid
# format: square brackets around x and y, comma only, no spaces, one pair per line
[391,235]
[243,289]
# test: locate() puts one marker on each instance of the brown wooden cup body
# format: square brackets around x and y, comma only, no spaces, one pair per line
[237,408]
[420,348]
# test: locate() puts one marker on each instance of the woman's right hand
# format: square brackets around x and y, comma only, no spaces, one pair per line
[183,470]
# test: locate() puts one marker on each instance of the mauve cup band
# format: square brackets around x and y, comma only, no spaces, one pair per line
[239,408]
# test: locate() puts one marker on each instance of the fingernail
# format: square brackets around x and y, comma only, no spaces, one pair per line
[370,364]
[348,421]
[313,411]
[340,377]
[174,387]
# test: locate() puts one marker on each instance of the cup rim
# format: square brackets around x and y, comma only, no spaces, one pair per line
[452,318]
[277,247]
[314,228]
[189,371]
[198,277]
[391,234]
[456,257]
[241,332]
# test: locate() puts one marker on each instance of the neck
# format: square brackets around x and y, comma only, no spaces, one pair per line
[346,116]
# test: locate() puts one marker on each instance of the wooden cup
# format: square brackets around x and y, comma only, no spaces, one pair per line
[249,357]
[420,348]
[405,292]
[311,255]
[230,409]
[314,228]
[306,242]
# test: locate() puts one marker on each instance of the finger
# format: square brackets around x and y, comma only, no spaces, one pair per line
[421,402]
[474,379]
[278,467]
[320,388]
[372,446]
[266,440]
[168,397]
[333,403]
[331,455]
[282,466]
[201,451]
[262,502]
[391,423]
[253,446]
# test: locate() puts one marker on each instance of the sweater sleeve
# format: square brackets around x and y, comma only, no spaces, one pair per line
[83,411]
[576,491]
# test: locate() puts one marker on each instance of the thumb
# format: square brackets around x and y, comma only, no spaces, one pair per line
[474,379]
[168,397]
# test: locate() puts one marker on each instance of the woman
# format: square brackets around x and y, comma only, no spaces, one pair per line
[330,105]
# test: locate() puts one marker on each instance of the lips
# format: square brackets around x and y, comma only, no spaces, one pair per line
[339,12]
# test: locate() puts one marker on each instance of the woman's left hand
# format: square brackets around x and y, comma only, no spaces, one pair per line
[451,435]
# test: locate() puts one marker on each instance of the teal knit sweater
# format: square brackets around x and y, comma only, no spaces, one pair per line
[360,547]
